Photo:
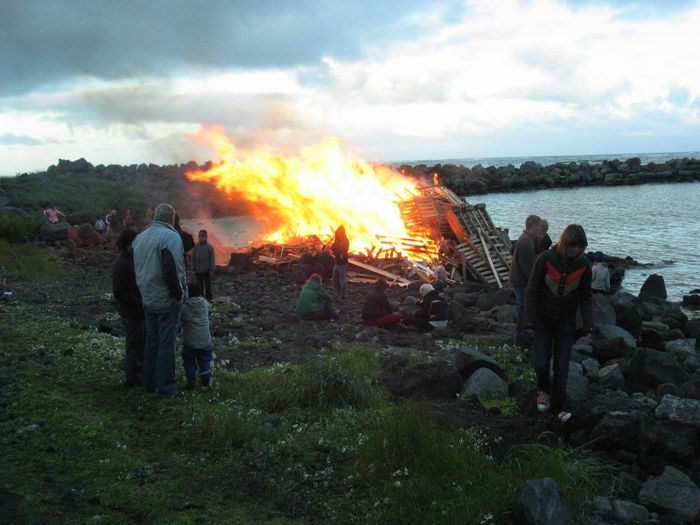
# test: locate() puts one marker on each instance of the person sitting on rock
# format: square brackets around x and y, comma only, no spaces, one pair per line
[310,262]
[377,311]
[53,213]
[432,311]
[559,285]
[314,301]
[600,280]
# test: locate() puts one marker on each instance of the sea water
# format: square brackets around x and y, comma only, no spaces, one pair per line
[657,225]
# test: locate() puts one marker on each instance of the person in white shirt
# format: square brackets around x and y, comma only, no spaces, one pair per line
[600,279]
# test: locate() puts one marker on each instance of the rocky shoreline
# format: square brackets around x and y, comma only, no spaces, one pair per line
[634,386]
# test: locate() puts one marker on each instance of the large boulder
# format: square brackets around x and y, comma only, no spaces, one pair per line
[435,380]
[491,299]
[612,341]
[630,512]
[611,377]
[54,232]
[679,409]
[618,430]
[541,502]
[485,384]
[603,311]
[627,311]
[577,384]
[649,368]
[468,361]
[672,492]
[670,440]
[88,236]
[654,333]
[654,286]
[681,347]
[692,329]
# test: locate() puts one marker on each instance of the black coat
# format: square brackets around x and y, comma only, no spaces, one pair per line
[375,306]
[126,293]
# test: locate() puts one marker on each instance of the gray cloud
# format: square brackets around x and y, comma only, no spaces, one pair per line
[47,42]
[9,139]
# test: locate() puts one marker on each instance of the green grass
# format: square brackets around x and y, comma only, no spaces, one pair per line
[19,228]
[28,263]
[316,442]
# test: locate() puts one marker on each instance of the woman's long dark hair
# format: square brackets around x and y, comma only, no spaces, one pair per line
[573,235]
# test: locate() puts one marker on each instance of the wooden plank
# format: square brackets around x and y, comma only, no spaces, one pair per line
[488,256]
[379,271]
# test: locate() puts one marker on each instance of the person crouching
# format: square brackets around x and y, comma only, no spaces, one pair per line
[314,300]
[196,351]
[377,311]
[432,311]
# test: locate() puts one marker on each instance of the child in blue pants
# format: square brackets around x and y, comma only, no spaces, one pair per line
[196,352]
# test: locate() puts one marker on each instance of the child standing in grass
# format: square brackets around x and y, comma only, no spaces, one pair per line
[196,352]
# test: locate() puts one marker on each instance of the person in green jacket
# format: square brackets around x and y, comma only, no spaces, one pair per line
[314,301]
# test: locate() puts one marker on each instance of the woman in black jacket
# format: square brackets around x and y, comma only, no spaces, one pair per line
[130,306]
[559,285]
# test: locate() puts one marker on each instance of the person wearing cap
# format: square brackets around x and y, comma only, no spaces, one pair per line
[432,311]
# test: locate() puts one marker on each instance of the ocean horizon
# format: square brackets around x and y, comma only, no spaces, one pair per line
[545,160]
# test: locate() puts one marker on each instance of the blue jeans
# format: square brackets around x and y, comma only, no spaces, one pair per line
[553,340]
[158,373]
[340,279]
[193,358]
[520,332]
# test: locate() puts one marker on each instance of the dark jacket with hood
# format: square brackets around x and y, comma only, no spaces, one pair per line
[556,290]
[523,259]
[375,306]
[126,293]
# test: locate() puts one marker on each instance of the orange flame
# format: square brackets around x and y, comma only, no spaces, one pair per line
[313,192]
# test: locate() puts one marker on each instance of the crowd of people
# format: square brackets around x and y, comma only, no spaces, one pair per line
[550,282]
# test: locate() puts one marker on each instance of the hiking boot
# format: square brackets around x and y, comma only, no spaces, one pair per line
[206,381]
[543,401]
[190,384]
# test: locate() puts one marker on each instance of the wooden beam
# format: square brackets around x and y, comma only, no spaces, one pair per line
[395,278]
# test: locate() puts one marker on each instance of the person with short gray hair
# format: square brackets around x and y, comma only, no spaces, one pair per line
[162,280]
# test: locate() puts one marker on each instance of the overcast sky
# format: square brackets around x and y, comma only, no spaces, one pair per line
[119,81]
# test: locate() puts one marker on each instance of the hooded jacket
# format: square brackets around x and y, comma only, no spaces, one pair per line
[308,305]
[160,267]
[126,293]
[195,322]
[556,290]
[523,259]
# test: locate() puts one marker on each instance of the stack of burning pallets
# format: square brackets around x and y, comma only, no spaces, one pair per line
[470,245]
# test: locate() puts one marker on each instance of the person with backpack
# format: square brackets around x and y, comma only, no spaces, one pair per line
[559,286]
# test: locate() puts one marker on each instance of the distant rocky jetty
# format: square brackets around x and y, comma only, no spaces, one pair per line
[531,175]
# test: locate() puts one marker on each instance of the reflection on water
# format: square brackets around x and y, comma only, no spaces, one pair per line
[658,224]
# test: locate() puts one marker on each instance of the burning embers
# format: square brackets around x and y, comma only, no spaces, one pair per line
[317,190]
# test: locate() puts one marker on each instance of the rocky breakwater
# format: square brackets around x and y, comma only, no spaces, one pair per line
[532,175]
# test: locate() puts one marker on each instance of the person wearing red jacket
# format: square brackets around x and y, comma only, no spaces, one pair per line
[559,285]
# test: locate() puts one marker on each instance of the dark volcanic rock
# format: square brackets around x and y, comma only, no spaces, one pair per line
[540,502]
[672,492]
[650,368]
[654,286]
[468,360]
[435,380]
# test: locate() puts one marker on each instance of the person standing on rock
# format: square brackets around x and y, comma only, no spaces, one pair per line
[559,286]
[53,213]
[340,248]
[520,270]
[600,280]
[544,241]
[204,263]
[130,306]
[161,277]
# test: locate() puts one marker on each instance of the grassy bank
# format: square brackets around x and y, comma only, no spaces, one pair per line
[21,262]
[316,442]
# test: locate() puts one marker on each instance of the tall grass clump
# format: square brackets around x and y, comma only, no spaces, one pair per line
[28,263]
[419,472]
[18,228]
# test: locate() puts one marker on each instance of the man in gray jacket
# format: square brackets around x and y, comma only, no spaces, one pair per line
[521,268]
[162,280]
[204,263]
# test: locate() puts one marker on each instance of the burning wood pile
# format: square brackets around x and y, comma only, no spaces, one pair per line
[398,230]
[463,244]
